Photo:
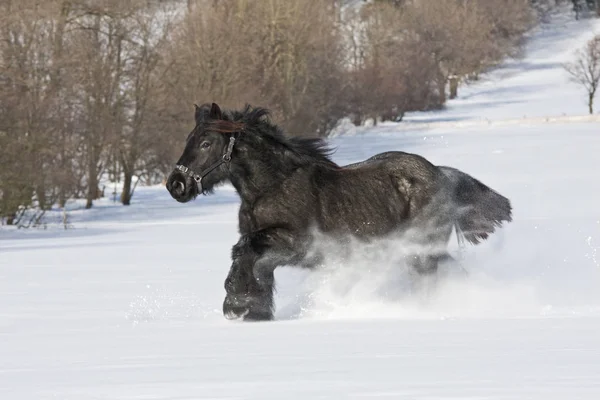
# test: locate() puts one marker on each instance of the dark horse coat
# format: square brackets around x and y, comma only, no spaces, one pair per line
[290,188]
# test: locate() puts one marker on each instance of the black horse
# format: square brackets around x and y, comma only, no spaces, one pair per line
[290,188]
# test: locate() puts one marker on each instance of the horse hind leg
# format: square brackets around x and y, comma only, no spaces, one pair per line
[424,265]
[431,249]
[430,252]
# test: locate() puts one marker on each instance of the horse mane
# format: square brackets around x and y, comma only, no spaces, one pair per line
[256,127]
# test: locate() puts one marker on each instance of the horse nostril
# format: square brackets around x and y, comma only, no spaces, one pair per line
[178,187]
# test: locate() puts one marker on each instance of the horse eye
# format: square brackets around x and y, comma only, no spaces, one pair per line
[205,145]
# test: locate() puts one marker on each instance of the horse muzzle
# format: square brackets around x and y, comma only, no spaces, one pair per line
[181,187]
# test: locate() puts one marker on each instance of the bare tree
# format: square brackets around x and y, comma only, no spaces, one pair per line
[381,55]
[283,55]
[404,54]
[104,89]
[102,32]
[457,35]
[35,108]
[135,139]
[75,78]
[585,69]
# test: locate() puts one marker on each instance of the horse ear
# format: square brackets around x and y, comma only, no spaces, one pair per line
[215,111]
[201,112]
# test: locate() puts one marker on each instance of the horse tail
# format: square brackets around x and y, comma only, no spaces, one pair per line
[479,209]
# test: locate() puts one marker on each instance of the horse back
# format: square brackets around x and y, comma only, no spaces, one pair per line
[370,198]
[375,196]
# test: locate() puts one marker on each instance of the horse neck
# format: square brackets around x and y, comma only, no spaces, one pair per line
[253,174]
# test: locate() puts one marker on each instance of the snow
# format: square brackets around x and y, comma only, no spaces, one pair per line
[535,86]
[126,304]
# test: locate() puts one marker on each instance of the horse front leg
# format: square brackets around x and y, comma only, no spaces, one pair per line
[249,284]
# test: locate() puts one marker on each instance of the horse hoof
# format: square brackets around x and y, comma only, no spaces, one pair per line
[235,308]
[258,316]
[235,314]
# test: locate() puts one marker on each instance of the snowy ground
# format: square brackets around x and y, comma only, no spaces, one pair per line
[126,304]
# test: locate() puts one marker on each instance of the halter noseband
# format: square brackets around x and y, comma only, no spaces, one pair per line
[198,177]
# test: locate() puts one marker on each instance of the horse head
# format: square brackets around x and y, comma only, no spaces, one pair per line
[208,150]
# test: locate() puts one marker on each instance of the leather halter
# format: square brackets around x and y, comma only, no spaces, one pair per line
[198,177]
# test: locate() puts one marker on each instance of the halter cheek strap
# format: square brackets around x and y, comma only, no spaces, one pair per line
[198,177]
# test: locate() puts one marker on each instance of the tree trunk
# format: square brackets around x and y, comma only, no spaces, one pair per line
[62,198]
[591,102]
[42,201]
[442,90]
[90,197]
[126,192]
[92,189]
[453,87]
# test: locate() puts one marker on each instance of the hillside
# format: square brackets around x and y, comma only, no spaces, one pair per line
[127,303]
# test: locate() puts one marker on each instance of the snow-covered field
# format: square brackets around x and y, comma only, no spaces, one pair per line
[127,303]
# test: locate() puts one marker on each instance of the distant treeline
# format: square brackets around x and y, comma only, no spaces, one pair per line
[92,88]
